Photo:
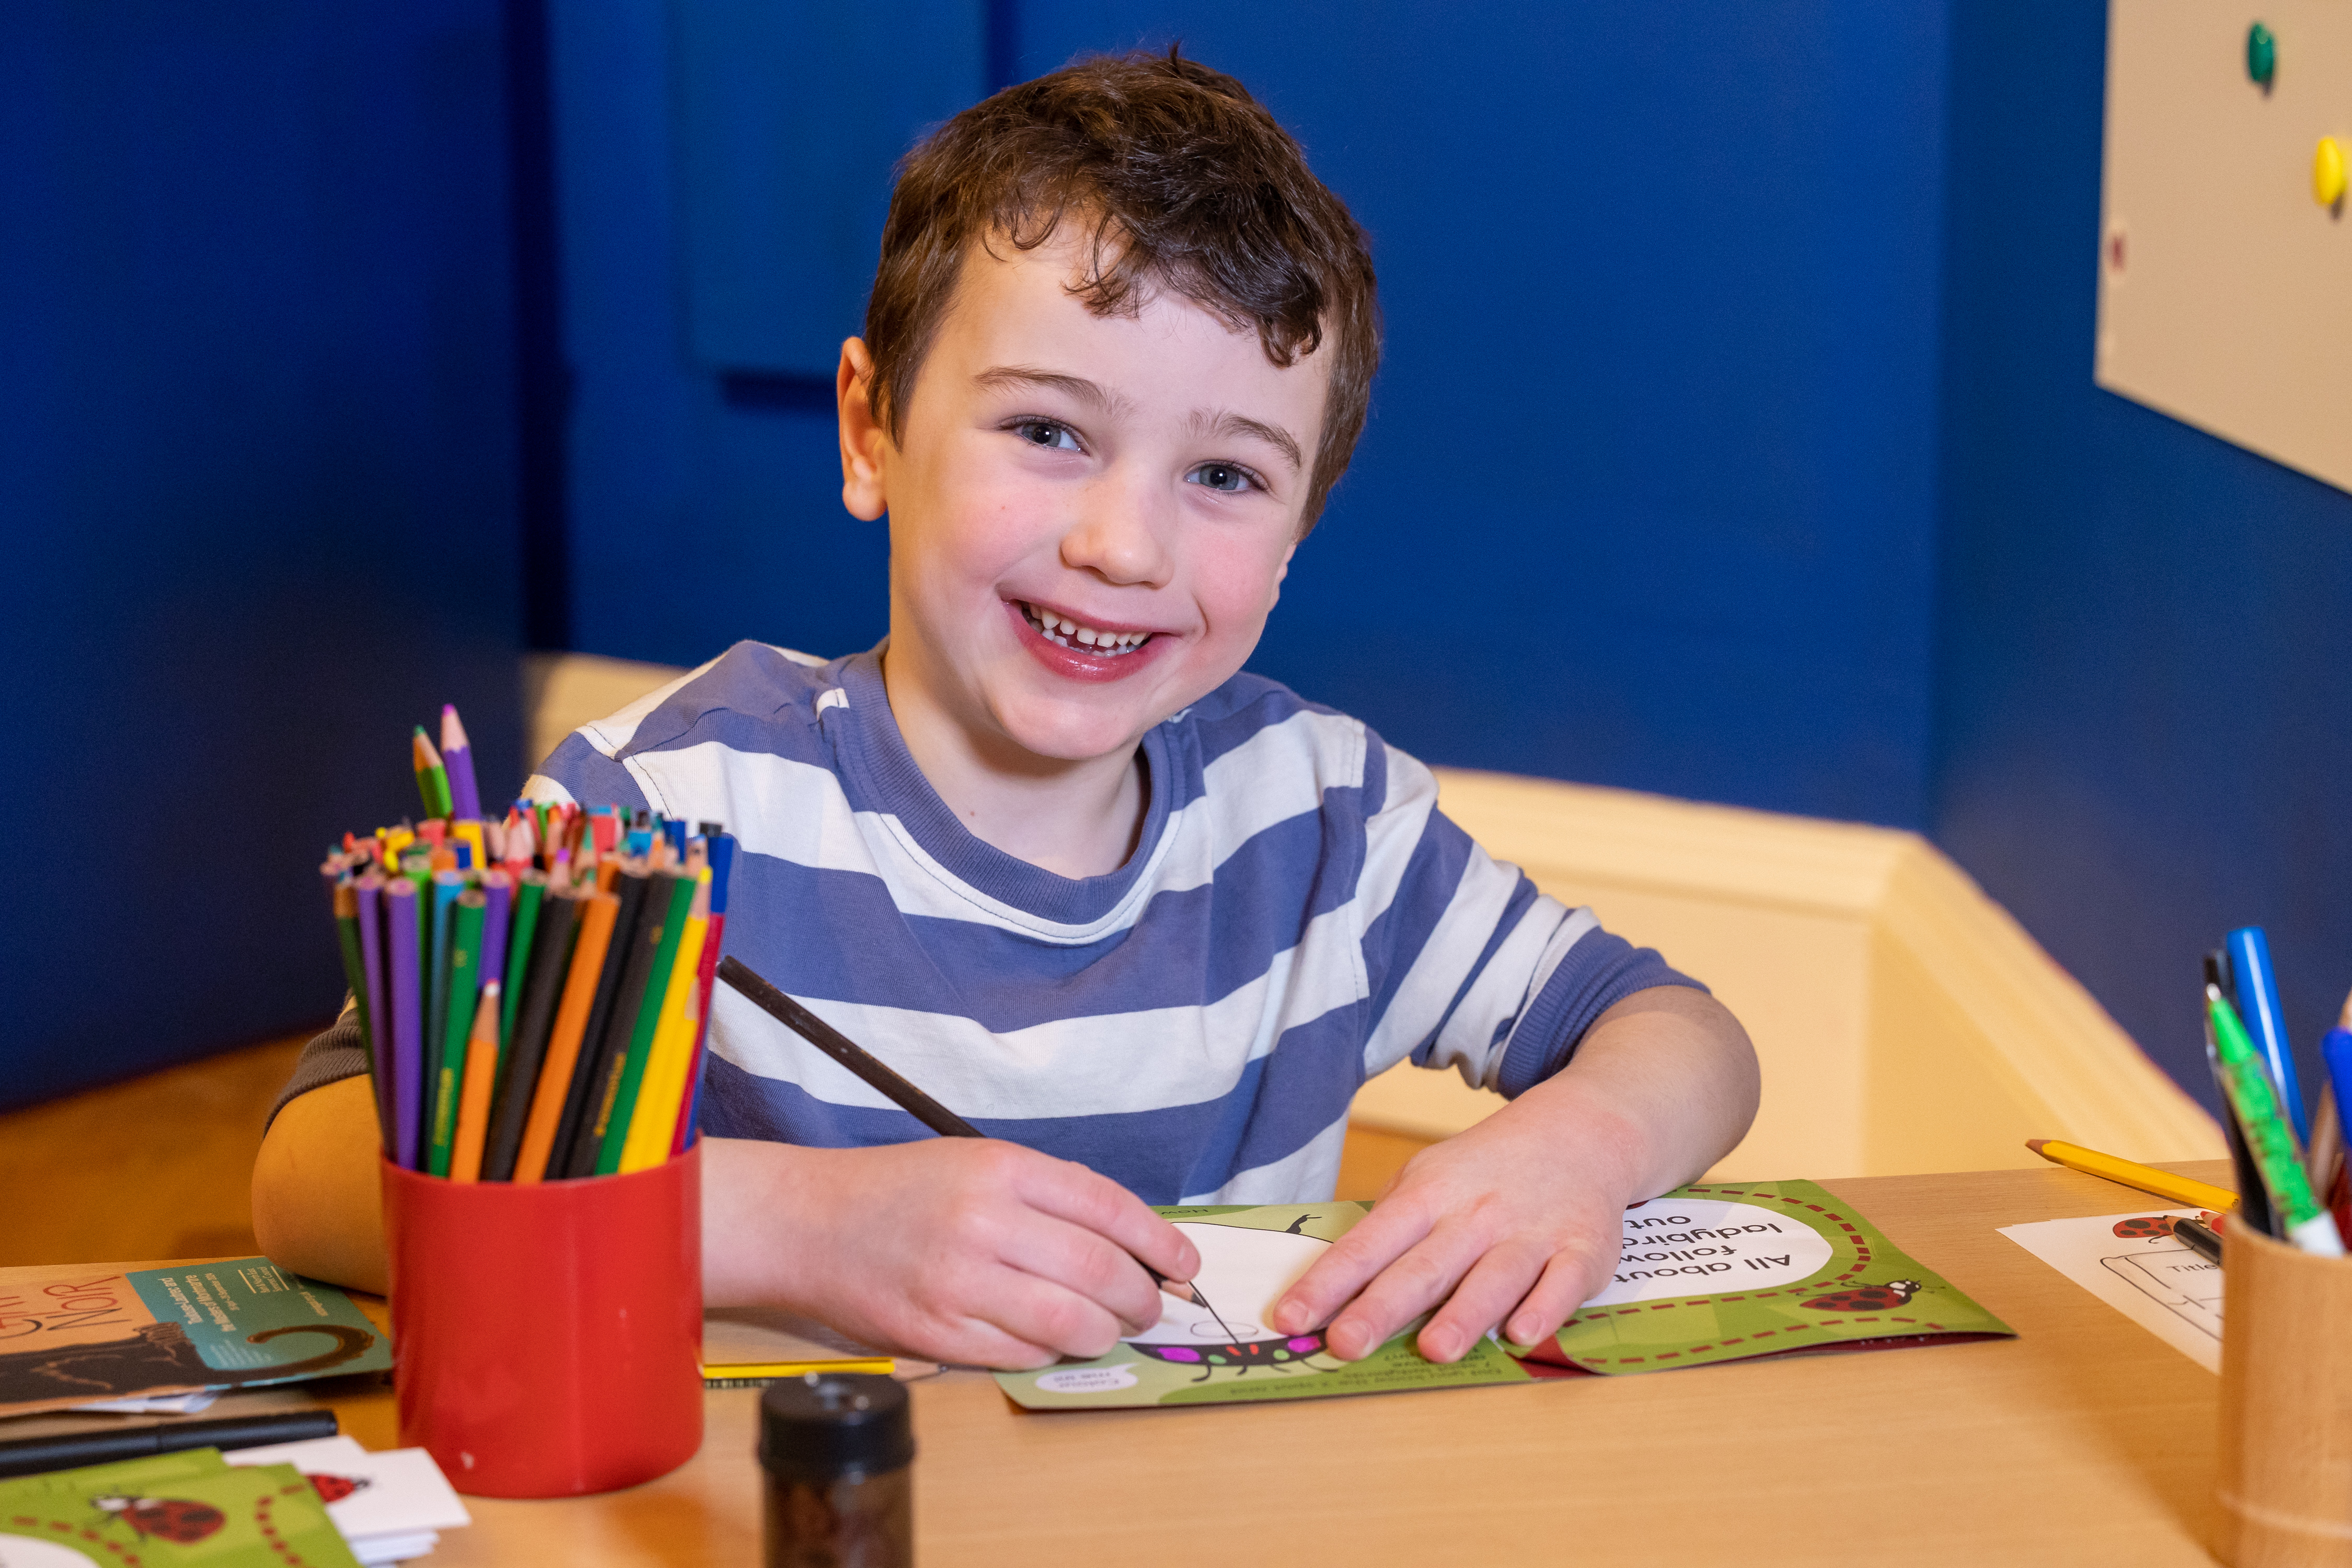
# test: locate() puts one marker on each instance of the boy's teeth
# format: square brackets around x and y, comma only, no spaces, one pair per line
[1062,629]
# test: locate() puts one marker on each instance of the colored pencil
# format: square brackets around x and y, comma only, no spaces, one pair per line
[346,899]
[629,1072]
[400,924]
[457,761]
[432,780]
[597,1044]
[446,886]
[450,1072]
[531,887]
[474,1102]
[653,1119]
[720,848]
[558,1070]
[526,1053]
[2131,1173]
[373,959]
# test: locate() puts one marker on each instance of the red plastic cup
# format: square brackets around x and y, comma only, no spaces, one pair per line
[547,1338]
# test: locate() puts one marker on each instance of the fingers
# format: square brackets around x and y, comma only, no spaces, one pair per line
[1420,1279]
[1351,1263]
[1570,1279]
[1488,1291]
[1071,1191]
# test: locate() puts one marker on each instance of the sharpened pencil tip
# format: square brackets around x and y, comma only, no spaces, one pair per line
[426,757]
[2036,1144]
[453,729]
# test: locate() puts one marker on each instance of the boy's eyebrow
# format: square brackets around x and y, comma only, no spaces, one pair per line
[1077,386]
[1228,423]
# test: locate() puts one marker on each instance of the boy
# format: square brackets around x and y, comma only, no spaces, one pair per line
[1146,921]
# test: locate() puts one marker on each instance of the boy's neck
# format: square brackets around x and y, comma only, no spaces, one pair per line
[1075,819]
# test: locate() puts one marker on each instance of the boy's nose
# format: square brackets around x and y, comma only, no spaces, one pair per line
[1119,536]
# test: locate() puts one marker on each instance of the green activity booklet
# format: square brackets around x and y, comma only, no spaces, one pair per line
[189,1506]
[1722,1271]
[1736,1270]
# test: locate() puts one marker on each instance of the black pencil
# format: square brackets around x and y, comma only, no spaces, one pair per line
[636,975]
[586,1067]
[897,1089]
[2200,1238]
[551,963]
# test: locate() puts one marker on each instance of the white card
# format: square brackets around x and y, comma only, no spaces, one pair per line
[400,1492]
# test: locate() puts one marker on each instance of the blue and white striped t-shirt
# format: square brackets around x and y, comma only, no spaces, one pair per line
[1296,916]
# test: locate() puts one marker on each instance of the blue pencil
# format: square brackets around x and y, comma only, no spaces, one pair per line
[2257,1004]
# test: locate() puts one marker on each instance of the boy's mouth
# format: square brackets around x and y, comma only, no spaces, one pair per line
[1081,638]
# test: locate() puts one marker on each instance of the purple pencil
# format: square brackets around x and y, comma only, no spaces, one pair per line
[369,889]
[407,1020]
[457,759]
[498,894]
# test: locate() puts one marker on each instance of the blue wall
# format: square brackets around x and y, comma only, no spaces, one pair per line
[2143,709]
[1576,541]
[257,474]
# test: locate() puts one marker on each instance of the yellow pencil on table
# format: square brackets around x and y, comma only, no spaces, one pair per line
[2131,1173]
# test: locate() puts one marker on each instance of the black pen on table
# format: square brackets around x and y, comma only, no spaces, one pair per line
[2200,1238]
[72,1450]
[780,1006]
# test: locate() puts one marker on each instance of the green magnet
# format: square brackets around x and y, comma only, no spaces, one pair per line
[2261,55]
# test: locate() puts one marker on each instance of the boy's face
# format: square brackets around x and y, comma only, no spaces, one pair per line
[1136,480]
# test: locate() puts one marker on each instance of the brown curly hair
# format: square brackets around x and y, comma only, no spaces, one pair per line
[1184,182]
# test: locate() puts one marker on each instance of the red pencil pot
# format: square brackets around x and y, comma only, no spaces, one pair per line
[547,1338]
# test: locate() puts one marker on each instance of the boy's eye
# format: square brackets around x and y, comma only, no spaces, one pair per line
[1230,477]
[1045,433]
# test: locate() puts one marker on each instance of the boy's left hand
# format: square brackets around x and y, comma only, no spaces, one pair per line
[1517,1221]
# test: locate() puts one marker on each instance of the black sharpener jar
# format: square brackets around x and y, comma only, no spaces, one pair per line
[838,1452]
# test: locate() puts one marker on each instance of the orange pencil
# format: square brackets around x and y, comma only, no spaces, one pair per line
[474,1096]
[596,912]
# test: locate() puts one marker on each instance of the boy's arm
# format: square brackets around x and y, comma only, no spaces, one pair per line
[1519,1217]
[317,1198]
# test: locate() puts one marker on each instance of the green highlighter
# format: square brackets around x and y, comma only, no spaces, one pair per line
[2254,1102]
[450,1069]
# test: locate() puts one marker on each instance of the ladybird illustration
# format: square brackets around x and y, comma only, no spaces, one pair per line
[2143,1227]
[1280,1354]
[335,1488]
[1866,1298]
[163,1519]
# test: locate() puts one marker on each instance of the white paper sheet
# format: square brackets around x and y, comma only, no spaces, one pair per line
[2156,1281]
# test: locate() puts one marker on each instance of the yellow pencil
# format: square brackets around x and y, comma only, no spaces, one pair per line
[2147,1178]
[474,1099]
[655,1117]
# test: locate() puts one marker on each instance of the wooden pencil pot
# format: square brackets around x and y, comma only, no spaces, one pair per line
[547,1337]
[2285,1486]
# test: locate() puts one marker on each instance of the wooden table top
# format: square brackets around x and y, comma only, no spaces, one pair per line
[2084,1440]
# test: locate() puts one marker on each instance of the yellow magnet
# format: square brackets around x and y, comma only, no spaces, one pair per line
[2327,173]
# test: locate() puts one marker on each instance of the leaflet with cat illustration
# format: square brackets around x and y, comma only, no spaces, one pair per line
[72,1335]
[1715,1272]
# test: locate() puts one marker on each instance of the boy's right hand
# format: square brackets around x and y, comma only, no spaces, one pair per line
[955,1249]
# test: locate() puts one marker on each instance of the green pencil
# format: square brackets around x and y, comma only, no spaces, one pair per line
[450,1072]
[432,778]
[2247,1083]
[531,887]
[641,1036]
[347,933]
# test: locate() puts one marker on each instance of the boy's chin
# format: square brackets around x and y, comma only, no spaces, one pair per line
[1076,733]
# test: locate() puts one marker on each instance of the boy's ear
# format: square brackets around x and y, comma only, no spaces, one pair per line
[1279,573]
[864,442]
